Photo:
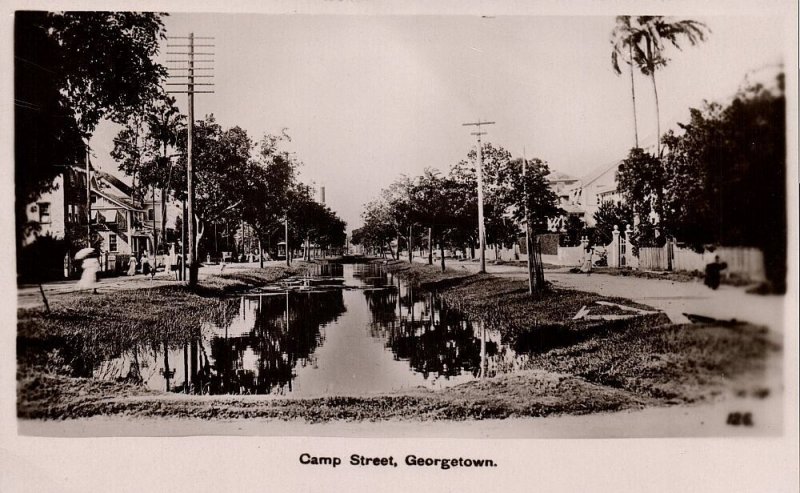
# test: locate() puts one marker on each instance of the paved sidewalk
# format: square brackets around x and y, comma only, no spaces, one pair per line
[29,296]
[672,297]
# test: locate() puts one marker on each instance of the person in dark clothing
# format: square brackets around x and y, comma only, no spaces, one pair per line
[713,271]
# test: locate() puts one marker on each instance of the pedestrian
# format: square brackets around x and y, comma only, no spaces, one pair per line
[132,265]
[153,261]
[168,261]
[587,261]
[145,264]
[90,266]
[179,271]
[713,271]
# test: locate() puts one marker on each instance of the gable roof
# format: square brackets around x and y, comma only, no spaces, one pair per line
[596,173]
[116,183]
[555,176]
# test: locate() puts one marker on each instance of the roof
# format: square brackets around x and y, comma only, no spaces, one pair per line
[124,202]
[116,182]
[599,171]
[559,176]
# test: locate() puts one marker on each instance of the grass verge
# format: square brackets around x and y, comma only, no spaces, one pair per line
[573,367]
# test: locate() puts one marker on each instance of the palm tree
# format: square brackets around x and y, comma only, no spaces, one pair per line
[622,48]
[646,42]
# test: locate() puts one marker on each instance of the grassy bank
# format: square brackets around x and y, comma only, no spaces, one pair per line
[86,327]
[573,367]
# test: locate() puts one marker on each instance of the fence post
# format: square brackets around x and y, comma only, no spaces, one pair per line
[613,257]
[630,259]
[584,247]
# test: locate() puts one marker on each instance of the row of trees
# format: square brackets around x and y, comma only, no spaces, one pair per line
[72,70]
[437,209]
[237,180]
[75,69]
[721,179]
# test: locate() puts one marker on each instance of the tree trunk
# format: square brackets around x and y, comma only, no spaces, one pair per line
[441,250]
[633,98]
[538,269]
[430,246]
[260,254]
[164,217]
[658,115]
[410,253]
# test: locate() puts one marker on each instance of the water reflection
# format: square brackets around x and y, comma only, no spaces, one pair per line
[369,333]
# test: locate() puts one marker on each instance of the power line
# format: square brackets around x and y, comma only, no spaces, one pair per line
[187,80]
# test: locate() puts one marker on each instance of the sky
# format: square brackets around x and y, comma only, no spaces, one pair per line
[368,98]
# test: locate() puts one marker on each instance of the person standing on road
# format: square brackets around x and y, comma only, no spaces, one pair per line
[132,265]
[90,266]
[145,264]
[713,271]
[587,261]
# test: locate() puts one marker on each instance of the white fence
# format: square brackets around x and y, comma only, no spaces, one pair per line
[744,262]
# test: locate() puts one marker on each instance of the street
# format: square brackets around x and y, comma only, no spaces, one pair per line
[671,297]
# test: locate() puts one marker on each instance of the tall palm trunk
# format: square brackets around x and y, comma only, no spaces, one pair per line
[658,114]
[633,98]
[652,70]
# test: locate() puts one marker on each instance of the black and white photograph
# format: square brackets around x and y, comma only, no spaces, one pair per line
[480,227]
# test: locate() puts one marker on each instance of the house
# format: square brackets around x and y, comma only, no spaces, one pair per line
[595,188]
[60,224]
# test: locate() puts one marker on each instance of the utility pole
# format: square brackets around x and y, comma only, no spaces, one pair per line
[481,233]
[155,237]
[286,239]
[528,244]
[88,199]
[186,73]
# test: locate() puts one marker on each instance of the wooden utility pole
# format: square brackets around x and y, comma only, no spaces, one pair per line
[481,232]
[528,243]
[187,69]
[88,199]
[286,239]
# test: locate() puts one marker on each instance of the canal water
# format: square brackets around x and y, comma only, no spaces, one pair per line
[345,330]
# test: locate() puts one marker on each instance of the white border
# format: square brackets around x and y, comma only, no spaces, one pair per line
[270,464]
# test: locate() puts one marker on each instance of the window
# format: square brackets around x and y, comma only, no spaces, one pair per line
[94,199]
[44,212]
[112,242]
[151,214]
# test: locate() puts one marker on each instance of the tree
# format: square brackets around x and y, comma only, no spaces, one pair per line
[646,43]
[607,216]
[640,180]
[223,172]
[725,176]
[73,69]
[500,229]
[542,202]
[622,48]
[271,179]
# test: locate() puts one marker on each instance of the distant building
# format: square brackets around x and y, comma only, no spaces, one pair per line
[58,224]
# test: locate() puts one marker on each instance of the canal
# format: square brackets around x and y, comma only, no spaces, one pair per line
[350,329]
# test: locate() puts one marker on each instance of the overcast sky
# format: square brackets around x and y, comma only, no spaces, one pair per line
[366,98]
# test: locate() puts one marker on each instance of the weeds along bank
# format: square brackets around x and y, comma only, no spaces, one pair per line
[646,355]
[575,366]
[86,327]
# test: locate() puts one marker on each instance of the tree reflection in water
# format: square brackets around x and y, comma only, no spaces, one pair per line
[435,341]
[285,332]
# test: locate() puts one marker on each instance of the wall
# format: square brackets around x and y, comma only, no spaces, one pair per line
[55,227]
